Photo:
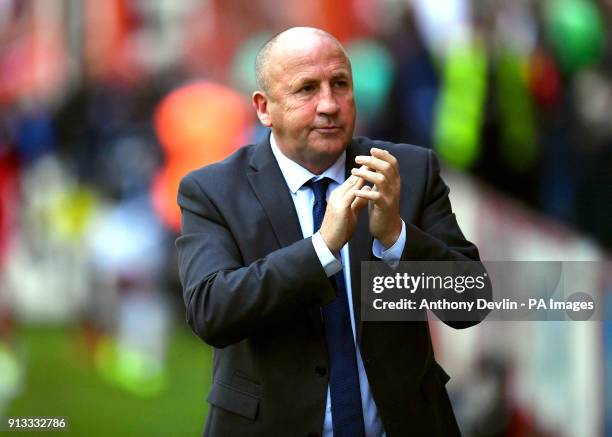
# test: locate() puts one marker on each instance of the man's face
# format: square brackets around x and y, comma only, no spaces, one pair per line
[310,104]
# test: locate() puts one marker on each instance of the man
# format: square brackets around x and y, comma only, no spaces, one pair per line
[270,255]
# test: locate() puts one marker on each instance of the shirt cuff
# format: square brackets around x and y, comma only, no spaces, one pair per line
[393,254]
[330,263]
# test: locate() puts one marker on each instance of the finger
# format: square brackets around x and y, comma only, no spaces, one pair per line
[370,176]
[348,184]
[374,163]
[349,196]
[384,155]
[344,194]
[363,199]
[358,203]
[368,194]
[340,191]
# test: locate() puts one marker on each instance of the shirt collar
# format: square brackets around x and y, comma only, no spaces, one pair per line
[295,175]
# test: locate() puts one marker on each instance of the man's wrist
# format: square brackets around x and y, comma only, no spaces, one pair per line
[389,240]
[329,261]
[332,247]
[391,255]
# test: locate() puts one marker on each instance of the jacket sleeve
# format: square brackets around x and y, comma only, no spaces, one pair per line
[226,300]
[439,238]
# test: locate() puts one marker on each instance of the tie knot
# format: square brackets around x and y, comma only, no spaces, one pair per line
[319,188]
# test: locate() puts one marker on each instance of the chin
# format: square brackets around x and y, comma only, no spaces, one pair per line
[330,151]
[331,146]
[322,155]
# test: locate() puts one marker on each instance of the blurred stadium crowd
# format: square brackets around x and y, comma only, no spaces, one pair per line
[105,105]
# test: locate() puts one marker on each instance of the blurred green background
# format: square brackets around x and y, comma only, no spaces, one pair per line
[62,380]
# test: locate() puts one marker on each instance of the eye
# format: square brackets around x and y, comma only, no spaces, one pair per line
[306,88]
[341,83]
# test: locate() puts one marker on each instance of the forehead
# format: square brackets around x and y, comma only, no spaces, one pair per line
[307,56]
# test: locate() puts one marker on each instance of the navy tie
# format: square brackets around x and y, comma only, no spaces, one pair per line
[347,415]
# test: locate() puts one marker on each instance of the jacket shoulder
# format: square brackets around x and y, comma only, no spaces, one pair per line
[399,150]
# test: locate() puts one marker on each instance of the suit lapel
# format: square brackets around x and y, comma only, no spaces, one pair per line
[271,189]
[360,245]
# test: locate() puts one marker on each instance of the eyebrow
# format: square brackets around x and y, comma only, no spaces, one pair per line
[309,79]
[340,75]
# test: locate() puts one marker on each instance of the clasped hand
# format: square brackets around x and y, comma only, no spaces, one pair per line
[381,170]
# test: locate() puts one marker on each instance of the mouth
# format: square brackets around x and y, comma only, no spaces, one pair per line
[328,129]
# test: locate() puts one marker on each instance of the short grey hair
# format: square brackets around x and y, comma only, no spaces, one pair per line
[262,60]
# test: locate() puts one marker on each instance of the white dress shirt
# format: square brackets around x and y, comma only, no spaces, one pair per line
[303,198]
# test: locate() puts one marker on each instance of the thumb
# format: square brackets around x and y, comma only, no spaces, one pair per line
[360,202]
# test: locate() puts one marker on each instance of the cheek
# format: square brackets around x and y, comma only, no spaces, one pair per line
[300,116]
[349,103]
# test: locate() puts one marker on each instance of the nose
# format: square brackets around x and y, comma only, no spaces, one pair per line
[327,104]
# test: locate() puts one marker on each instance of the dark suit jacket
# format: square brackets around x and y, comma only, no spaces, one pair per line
[253,287]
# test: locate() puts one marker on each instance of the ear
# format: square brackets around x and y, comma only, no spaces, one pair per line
[260,102]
